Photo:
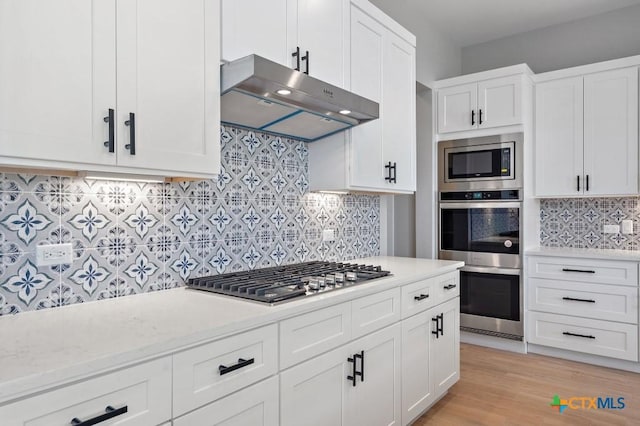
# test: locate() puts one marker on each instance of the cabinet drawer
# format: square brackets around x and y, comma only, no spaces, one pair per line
[595,337]
[256,405]
[584,270]
[597,301]
[308,335]
[437,289]
[374,312]
[145,391]
[209,372]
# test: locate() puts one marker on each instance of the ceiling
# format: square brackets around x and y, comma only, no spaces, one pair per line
[469,22]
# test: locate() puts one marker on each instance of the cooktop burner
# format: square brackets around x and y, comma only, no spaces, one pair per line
[283,283]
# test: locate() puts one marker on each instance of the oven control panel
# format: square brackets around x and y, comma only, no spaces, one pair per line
[512,194]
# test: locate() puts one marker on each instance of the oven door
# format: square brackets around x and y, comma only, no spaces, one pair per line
[491,300]
[481,233]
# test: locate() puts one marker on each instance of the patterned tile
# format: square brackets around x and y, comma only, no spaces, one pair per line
[88,276]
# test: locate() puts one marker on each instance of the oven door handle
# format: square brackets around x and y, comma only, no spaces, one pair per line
[480,205]
[491,270]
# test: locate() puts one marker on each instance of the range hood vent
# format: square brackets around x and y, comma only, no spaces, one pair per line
[263,95]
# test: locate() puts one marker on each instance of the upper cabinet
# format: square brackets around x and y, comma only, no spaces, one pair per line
[586,130]
[142,96]
[484,104]
[306,35]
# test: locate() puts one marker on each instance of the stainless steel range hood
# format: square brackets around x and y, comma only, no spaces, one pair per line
[254,95]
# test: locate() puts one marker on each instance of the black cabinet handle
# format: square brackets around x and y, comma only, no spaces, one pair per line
[296,55]
[587,183]
[586,336]
[109,413]
[131,122]
[573,299]
[441,327]
[450,286]
[578,188]
[112,133]
[421,297]
[583,271]
[436,332]
[306,59]
[473,117]
[391,172]
[353,375]
[223,369]
[479,116]
[361,372]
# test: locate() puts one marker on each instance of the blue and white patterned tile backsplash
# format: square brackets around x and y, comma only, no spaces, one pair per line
[133,238]
[579,222]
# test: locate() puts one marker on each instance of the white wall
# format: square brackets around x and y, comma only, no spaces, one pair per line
[599,38]
[437,56]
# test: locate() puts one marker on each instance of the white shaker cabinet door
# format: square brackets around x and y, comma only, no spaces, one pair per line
[457,108]
[57,79]
[168,78]
[417,386]
[559,138]
[255,27]
[500,101]
[611,132]
[445,355]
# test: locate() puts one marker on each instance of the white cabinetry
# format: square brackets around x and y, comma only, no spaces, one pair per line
[489,103]
[586,131]
[164,56]
[583,305]
[378,156]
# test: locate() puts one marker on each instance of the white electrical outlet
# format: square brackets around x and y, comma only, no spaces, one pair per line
[329,235]
[612,229]
[55,254]
[627,226]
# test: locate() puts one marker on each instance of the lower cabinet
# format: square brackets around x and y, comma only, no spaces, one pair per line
[256,405]
[430,357]
[355,384]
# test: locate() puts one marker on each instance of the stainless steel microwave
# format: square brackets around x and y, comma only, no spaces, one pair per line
[490,162]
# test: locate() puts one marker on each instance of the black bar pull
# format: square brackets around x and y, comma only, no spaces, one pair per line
[353,375]
[587,183]
[109,413]
[473,117]
[436,333]
[223,369]
[450,286]
[586,336]
[395,172]
[578,188]
[306,59]
[573,299]
[421,297]
[441,326]
[361,372]
[112,134]
[391,172]
[479,116]
[131,122]
[584,271]
[296,55]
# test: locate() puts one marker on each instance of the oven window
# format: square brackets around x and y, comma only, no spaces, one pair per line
[490,295]
[491,230]
[475,164]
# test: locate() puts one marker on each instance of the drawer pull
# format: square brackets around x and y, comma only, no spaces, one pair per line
[586,336]
[421,297]
[573,299]
[109,413]
[584,271]
[223,369]
[450,286]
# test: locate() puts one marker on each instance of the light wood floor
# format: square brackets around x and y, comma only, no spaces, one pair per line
[504,388]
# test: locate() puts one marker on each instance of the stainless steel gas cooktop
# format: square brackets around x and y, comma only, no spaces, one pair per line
[284,283]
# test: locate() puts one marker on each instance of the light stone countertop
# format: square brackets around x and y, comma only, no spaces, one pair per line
[583,253]
[47,348]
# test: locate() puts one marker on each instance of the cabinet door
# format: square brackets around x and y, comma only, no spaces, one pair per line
[611,132]
[366,147]
[255,27]
[168,76]
[559,137]
[317,392]
[417,386]
[457,108]
[445,354]
[500,102]
[317,27]
[57,79]
[376,396]
[398,109]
